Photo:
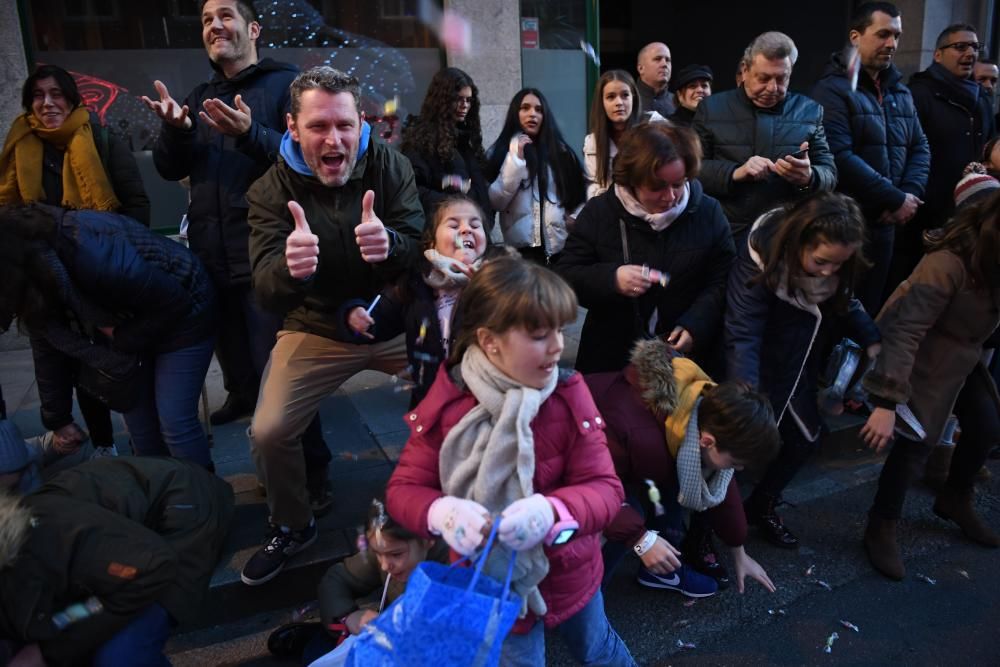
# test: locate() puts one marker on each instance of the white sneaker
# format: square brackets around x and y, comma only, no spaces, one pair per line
[104,452]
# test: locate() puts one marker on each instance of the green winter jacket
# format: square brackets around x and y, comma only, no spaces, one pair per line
[131,531]
[333,213]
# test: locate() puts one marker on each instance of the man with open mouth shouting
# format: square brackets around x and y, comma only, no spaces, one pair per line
[337,218]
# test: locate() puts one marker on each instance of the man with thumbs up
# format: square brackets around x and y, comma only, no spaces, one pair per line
[224,136]
[336,219]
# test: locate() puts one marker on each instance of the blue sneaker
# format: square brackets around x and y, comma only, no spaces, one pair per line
[684,580]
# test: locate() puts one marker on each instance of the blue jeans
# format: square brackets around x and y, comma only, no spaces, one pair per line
[588,635]
[138,644]
[165,420]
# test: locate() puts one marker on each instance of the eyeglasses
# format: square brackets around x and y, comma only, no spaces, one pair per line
[962,47]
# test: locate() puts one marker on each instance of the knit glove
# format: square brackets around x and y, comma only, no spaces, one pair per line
[526,522]
[460,522]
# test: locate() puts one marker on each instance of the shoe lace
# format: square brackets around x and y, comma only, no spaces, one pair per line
[278,541]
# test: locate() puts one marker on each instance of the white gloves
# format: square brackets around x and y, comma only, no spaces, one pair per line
[459,522]
[526,522]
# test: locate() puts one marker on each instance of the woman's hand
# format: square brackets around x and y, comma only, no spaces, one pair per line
[359,321]
[680,340]
[878,430]
[522,141]
[662,557]
[629,280]
[748,567]
[357,620]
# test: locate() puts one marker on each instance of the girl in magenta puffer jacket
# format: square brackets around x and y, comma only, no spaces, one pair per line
[505,435]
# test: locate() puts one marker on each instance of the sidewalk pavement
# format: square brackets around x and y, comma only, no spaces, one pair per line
[363,427]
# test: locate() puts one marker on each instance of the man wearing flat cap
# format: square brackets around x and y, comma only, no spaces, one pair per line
[692,84]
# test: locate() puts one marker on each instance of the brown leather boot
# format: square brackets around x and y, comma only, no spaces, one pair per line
[957,506]
[882,548]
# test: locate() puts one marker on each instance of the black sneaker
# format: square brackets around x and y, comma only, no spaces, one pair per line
[234,408]
[270,558]
[320,498]
[700,553]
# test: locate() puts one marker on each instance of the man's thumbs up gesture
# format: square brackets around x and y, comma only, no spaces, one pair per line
[371,237]
[301,246]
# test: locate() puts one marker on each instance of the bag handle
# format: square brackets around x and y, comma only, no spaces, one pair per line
[481,563]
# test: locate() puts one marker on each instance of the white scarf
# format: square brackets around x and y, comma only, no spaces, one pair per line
[658,221]
[696,492]
[489,457]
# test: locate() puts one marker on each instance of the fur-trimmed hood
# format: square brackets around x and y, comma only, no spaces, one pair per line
[15,522]
[669,385]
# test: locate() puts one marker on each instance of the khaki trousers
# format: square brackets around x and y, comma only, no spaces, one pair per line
[303,369]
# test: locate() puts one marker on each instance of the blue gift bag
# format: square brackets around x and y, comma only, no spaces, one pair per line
[448,616]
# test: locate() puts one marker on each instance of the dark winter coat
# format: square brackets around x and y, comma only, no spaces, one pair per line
[131,531]
[696,250]
[732,130]
[635,402]
[662,102]
[153,291]
[429,170]
[222,168]
[407,307]
[774,342]
[958,126]
[333,213]
[875,136]
[571,462]
[119,165]
[933,329]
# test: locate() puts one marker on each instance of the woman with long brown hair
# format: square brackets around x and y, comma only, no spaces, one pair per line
[933,329]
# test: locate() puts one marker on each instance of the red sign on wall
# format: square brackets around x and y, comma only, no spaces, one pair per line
[529,33]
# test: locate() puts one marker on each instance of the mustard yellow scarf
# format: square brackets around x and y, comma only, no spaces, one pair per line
[85,183]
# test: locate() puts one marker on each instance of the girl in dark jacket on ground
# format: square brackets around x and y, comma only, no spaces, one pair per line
[57,153]
[655,218]
[933,327]
[127,304]
[536,179]
[445,144]
[792,283]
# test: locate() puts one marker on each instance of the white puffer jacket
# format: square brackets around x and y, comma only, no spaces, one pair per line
[516,199]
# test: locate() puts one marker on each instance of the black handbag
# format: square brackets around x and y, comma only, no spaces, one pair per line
[119,389]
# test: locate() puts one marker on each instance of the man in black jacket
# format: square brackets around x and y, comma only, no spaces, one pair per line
[224,137]
[761,144]
[337,218]
[955,113]
[875,136]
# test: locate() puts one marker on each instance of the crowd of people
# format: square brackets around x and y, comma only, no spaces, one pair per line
[720,242]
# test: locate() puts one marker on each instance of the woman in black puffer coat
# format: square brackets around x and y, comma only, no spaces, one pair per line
[655,217]
[135,309]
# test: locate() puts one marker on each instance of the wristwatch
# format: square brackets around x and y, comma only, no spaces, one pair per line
[565,526]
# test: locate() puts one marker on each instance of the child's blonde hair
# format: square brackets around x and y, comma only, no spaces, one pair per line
[508,293]
[441,211]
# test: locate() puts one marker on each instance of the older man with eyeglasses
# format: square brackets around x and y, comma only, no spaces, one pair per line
[955,114]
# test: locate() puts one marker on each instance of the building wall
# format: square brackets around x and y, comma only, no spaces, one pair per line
[494,61]
[13,66]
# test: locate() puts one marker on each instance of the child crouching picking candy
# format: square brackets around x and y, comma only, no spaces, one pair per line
[422,303]
[354,591]
[710,430]
[505,433]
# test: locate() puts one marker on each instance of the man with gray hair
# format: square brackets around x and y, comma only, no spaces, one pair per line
[336,219]
[762,145]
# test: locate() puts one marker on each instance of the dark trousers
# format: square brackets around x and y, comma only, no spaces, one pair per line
[246,335]
[670,525]
[906,254]
[795,451]
[97,417]
[871,289]
[976,410]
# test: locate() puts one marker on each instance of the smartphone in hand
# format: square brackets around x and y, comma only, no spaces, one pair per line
[798,155]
